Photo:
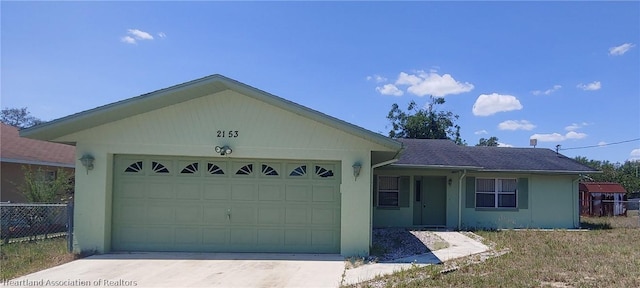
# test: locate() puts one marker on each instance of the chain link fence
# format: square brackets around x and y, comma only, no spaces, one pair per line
[30,222]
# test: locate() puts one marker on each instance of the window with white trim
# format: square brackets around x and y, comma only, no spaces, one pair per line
[388,191]
[496,193]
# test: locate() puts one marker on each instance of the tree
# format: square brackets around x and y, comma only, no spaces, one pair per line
[626,174]
[18,117]
[424,123]
[46,186]
[492,141]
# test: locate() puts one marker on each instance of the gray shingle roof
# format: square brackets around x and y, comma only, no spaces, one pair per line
[445,153]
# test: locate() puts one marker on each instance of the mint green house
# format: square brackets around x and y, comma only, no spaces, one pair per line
[218,166]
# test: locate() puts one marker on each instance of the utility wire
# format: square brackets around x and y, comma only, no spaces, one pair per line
[594,146]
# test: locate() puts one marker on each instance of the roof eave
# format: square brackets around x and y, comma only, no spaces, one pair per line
[36,162]
[447,167]
[568,172]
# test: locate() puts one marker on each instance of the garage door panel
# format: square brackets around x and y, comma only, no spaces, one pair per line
[323,216]
[296,215]
[298,192]
[243,192]
[189,214]
[160,191]
[214,191]
[270,237]
[323,238]
[296,237]
[215,236]
[324,193]
[225,205]
[131,190]
[159,235]
[270,215]
[130,212]
[131,235]
[243,215]
[188,191]
[188,235]
[160,213]
[270,192]
[242,236]
[215,215]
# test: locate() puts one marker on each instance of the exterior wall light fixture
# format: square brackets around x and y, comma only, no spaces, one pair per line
[87,161]
[356,170]
[224,150]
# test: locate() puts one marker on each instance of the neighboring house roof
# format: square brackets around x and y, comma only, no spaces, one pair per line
[16,149]
[602,187]
[444,153]
[184,92]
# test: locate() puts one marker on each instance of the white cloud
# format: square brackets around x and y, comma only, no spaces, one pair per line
[128,40]
[431,83]
[619,50]
[575,126]
[389,89]
[590,86]
[575,135]
[139,34]
[162,35]
[500,144]
[557,137]
[134,35]
[377,78]
[548,91]
[491,104]
[602,143]
[516,125]
[634,155]
[481,132]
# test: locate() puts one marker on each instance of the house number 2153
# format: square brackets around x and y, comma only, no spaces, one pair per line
[227,134]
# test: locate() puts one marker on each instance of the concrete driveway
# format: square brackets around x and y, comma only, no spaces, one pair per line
[172,269]
[192,270]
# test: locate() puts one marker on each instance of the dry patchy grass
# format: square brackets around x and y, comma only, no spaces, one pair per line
[22,258]
[604,257]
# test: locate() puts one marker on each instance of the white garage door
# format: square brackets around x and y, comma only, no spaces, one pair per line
[196,204]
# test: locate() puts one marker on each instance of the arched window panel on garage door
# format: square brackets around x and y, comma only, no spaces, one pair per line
[216,169]
[270,170]
[297,170]
[189,168]
[243,169]
[161,167]
[132,166]
[324,171]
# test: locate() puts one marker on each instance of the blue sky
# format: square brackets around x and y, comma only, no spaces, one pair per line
[561,72]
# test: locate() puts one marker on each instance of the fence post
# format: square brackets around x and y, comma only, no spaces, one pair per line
[70,227]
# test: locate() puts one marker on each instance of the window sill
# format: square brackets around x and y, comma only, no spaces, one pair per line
[388,207]
[497,209]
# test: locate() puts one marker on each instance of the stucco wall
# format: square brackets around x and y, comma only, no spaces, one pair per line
[552,202]
[190,129]
[403,216]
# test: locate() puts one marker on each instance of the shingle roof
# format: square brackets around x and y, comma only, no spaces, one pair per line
[17,149]
[445,153]
[602,187]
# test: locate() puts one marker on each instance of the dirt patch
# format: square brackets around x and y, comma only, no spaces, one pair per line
[395,243]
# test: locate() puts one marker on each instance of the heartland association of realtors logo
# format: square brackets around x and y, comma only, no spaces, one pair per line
[70,283]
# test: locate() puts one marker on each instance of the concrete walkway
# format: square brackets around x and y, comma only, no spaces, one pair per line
[459,246]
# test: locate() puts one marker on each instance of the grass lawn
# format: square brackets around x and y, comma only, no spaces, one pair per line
[23,258]
[606,256]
